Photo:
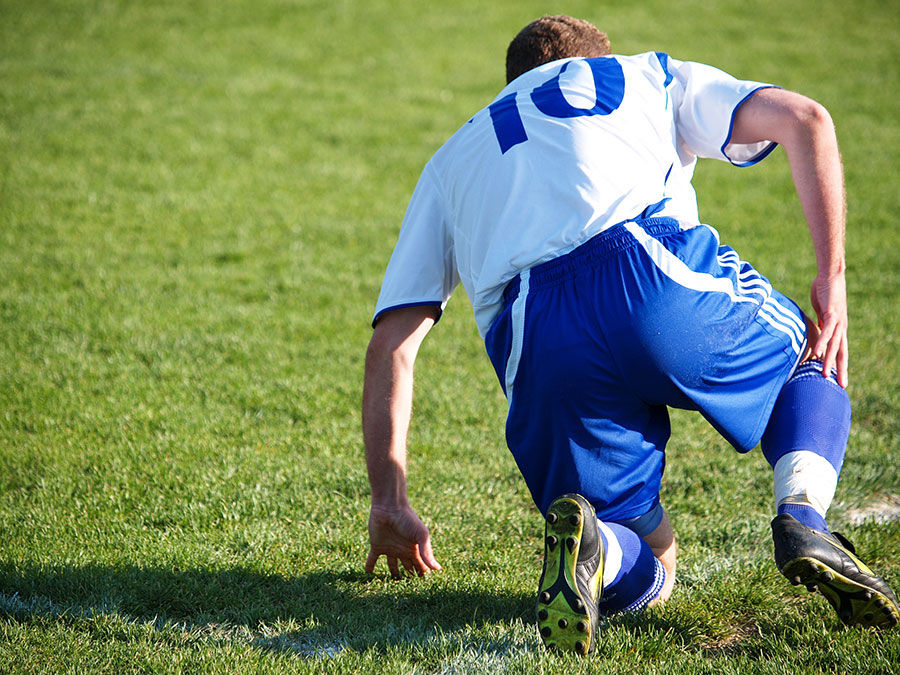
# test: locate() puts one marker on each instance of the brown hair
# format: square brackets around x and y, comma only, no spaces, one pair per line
[550,38]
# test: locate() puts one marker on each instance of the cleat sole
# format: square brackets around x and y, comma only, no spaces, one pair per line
[563,621]
[854,603]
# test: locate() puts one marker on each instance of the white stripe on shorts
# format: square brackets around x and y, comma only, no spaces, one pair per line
[675,268]
[518,334]
[751,281]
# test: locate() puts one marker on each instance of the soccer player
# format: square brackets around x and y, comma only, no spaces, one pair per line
[565,208]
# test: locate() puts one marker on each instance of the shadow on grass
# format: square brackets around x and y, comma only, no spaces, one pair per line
[318,614]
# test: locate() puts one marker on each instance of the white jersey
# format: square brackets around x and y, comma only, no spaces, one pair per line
[564,152]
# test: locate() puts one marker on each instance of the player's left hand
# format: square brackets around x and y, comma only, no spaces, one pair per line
[401,536]
[829,300]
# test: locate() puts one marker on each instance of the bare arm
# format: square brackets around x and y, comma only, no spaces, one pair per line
[395,530]
[805,130]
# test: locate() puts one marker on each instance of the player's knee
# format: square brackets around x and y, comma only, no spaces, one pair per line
[668,563]
[662,541]
[666,551]
[633,576]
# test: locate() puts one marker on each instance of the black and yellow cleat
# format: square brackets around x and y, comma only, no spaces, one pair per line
[572,576]
[827,562]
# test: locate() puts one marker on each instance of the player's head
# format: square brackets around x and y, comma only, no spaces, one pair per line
[550,38]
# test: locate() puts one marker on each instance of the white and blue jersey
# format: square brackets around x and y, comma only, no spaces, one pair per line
[565,209]
[564,151]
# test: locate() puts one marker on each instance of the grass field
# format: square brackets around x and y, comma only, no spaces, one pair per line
[197,202]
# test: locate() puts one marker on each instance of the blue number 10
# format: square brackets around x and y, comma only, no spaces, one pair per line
[609,86]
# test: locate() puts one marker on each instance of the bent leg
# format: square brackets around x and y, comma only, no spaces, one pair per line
[573,425]
[806,439]
[633,577]
[805,442]
[656,530]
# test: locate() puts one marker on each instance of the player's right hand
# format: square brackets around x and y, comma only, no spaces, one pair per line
[829,300]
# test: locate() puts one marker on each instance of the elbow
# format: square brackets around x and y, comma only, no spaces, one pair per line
[814,116]
[802,125]
[809,120]
[780,115]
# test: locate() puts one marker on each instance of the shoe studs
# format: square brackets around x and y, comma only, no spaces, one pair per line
[827,565]
[564,622]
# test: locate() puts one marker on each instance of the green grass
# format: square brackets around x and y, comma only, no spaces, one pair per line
[197,202]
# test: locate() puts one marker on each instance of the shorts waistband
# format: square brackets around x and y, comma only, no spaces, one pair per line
[594,251]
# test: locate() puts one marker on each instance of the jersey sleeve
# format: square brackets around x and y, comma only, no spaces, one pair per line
[422,269]
[706,101]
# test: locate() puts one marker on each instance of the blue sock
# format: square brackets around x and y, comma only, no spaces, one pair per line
[805,442]
[638,575]
[805,514]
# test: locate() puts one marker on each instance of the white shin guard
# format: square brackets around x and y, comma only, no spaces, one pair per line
[803,477]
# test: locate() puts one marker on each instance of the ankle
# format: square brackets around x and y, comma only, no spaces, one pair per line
[806,514]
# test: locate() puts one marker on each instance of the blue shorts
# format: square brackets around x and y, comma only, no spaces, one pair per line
[592,347]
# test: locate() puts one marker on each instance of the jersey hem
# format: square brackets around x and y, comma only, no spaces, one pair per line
[765,152]
[424,303]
